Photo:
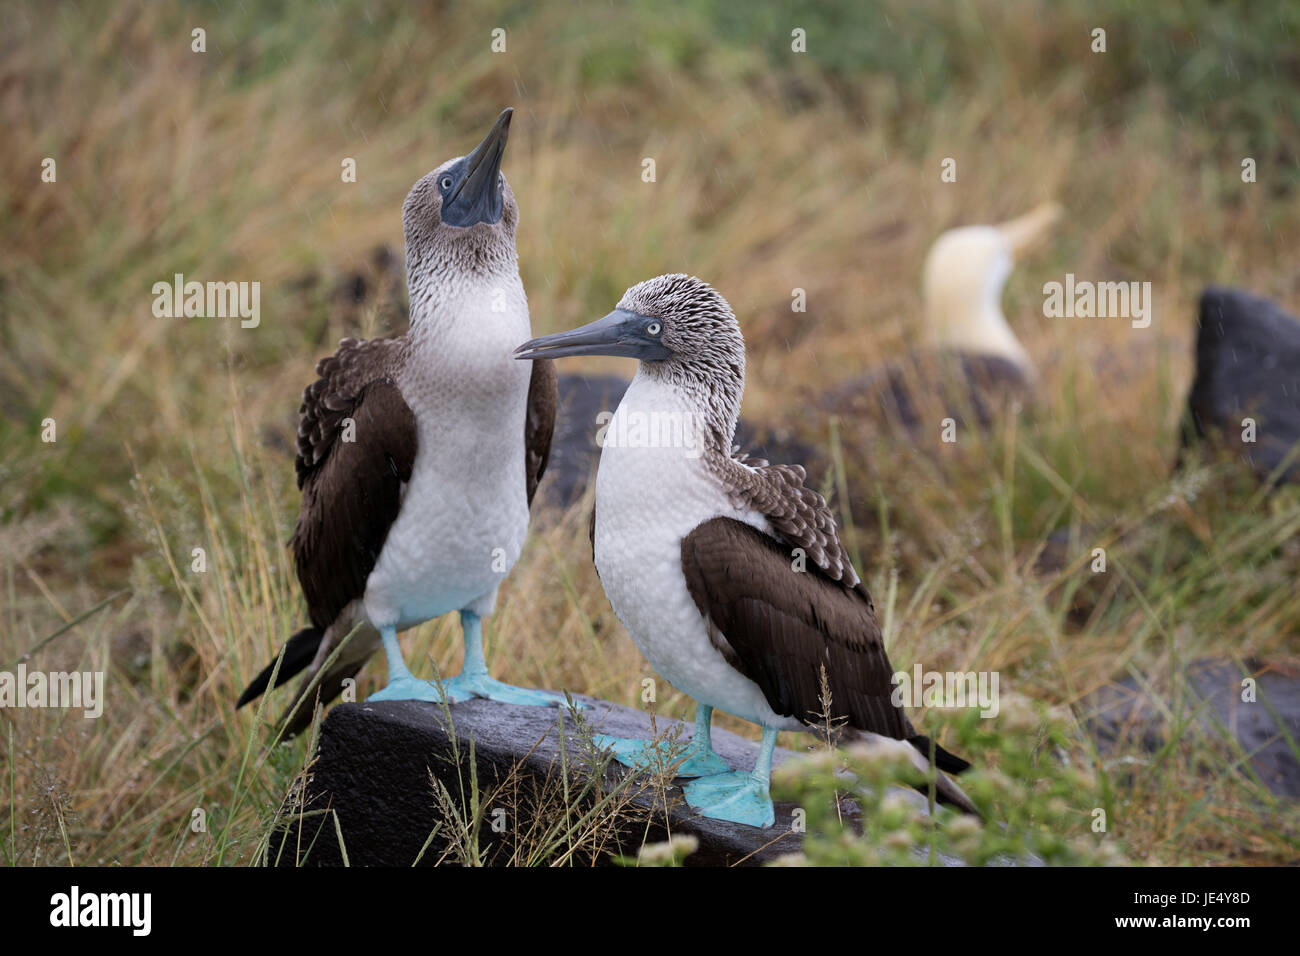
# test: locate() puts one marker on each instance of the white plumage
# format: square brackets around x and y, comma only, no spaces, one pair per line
[464,513]
[647,500]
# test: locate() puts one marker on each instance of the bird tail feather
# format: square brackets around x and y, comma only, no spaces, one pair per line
[298,716]
[946,790]
[945,761]
[297,654]
[948,793]
[326,659]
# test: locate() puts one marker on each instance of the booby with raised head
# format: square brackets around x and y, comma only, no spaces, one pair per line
[728,572]
[418,456]
[970,361]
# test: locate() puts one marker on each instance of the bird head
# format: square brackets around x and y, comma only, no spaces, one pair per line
[463,214]
[965,271]
[674,324]
[682,331]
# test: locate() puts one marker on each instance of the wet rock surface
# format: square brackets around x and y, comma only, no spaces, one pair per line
[1247,367]
[373,771]
[1211,699]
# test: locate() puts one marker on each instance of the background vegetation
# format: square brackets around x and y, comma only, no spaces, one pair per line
[775,171]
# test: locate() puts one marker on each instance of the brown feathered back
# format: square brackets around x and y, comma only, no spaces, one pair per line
[797,513]
[539,425]
[779,626]
[351,489]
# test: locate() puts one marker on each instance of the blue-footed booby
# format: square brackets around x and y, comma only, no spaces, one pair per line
[970,361]
[418,456]
[727,572]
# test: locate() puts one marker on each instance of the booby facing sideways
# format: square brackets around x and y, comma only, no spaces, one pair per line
[727,572]
[418,456]
[1247,386]
[971,361]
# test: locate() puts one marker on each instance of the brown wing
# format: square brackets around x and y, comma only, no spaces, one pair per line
[797,513]
[326,402]
[543,397]
[351,478]
[780,626]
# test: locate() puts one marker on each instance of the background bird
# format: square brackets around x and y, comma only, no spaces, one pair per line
[727,572]
[970,363]
[418,456]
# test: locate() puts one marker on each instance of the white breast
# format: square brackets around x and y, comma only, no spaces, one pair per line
[464,512]
[648,499]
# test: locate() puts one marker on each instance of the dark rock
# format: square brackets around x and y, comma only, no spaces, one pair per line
[575,454]
[1124,711]
[1247,366]
[373,770]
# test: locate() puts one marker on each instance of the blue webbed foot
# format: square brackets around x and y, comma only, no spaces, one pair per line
[649,756]
[464,686]
[474,681]
[408,688]
[736,796]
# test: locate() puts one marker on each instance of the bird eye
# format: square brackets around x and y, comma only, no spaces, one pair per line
[654,328]
[446,182]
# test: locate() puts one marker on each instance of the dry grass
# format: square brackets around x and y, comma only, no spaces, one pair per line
[772,175]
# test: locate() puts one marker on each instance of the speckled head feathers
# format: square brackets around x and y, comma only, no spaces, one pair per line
[698,326]
[708,350]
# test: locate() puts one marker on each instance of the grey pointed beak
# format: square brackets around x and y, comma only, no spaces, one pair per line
[478,197]
[621,333]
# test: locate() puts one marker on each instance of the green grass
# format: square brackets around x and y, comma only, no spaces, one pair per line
[775,171]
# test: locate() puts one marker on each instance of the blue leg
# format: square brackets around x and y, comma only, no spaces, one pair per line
[402,684]
[697,759]
[738,796]
[474,681]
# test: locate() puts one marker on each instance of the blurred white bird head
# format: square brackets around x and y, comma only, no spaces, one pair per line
[965,271]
